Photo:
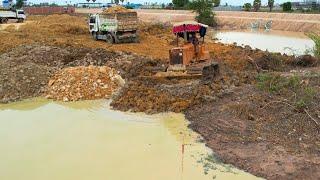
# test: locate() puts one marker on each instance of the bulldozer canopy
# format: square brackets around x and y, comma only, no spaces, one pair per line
[187,26]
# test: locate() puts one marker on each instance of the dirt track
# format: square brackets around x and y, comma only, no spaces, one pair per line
[234,20]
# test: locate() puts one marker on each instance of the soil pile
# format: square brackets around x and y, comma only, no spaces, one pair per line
[84,83]
[26,70]
[115,9]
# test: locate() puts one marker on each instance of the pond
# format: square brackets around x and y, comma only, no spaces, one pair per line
[41,139]
[291,43]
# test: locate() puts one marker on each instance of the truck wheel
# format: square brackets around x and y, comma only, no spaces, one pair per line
[109,39]
[20,20]
[94,36]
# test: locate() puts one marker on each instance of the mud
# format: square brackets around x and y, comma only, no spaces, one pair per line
[272,142]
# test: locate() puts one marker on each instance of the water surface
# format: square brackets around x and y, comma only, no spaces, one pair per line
[292,43]
[43,140]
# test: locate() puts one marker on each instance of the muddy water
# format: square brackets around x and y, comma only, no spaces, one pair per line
[292,43]
[88,141]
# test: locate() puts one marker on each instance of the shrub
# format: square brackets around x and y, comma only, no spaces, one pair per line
[287,6]
[316,39]
[204,10]
[247,6]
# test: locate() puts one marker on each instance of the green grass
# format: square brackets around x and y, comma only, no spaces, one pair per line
[316,39]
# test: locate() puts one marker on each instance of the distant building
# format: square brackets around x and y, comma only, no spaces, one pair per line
[306,4]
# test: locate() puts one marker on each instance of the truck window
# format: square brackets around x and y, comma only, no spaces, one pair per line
[20,12]
[92,20]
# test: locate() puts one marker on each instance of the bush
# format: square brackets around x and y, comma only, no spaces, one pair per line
[316,39]
[300,95]
[247,6]
[204,10]
[287,6]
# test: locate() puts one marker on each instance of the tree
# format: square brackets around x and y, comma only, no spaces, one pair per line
[19,4]
[203,8]
[180,3]
[116,1]
[247,6]
[287,6]
[216,3]
[256,5]
[122,1]
[270,4]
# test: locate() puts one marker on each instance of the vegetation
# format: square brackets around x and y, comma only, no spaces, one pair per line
[287,6]
[216,3]
[19,4]
[204,10]
[316,39]
[300,96]
[270,4]
[256,5]
[180,3]
[247,6]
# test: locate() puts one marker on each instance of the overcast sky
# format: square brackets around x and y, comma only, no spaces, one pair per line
[230,2]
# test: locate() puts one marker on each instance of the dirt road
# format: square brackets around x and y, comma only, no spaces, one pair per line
[233,19]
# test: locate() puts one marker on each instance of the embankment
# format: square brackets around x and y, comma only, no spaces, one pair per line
[234,19]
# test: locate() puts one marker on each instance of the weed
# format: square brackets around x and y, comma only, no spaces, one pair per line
[316,39]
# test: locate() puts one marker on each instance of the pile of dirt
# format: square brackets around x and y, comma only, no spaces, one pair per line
[84,83]
[115,9]
[26,70]
[155,94]
[21,81]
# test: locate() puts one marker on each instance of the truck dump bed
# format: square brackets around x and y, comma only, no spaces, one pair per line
[7,14]
[127,21]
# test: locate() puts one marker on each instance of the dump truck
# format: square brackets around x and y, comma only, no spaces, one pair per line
[6,14]
[115,27]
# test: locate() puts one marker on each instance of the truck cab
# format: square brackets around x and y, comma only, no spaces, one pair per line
[20,15]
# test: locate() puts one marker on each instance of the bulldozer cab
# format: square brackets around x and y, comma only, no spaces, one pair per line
[189,30]
[193,49]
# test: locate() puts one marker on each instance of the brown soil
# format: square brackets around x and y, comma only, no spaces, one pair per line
[115,9]
[269,141]
[83,83]
[26,70]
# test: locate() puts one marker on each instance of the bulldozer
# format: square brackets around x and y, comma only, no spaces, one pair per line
[191,59]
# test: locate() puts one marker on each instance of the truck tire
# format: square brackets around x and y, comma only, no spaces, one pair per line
[94,36]
[3,20]
[20,20]
[109,39]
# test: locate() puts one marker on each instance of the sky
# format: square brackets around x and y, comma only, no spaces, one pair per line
[230,2]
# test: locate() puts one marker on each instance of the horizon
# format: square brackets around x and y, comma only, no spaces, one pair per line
[223,2]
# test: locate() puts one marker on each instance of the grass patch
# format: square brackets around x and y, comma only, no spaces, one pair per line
[316,39]
[293,89]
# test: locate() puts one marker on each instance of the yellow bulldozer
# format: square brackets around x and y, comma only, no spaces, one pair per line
[191,59]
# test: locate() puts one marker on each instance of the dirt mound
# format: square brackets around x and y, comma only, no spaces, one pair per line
[21,81]
[116,9]
[64,24]
[26,70]
[83,83]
